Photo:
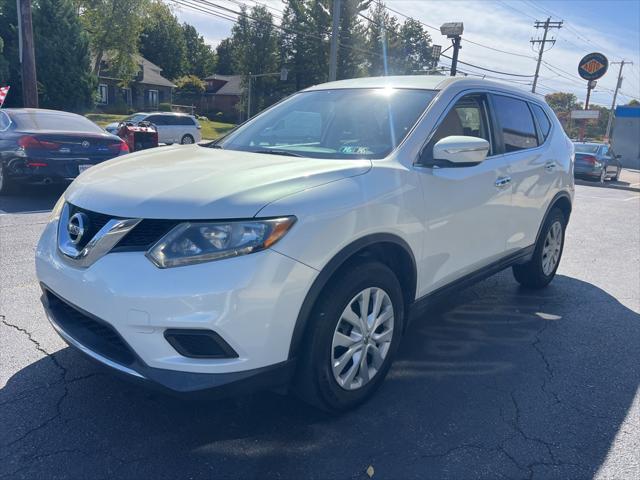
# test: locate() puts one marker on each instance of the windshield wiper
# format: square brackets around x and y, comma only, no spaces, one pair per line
[279,152]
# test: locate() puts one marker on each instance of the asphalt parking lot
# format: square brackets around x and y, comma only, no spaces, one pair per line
[495,383]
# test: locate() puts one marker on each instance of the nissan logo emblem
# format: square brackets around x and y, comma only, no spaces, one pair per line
[85,144]
[77,227]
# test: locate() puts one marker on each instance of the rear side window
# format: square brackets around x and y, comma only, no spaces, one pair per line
[543,120]
[185,121]
[157,119]
[5,122]
[516,123]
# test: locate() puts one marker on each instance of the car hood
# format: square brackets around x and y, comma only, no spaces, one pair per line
[194,182]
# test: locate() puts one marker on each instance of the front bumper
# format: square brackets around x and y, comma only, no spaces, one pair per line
[252,302]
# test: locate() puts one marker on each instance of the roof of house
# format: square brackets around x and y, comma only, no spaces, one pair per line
[151,73]
[233,85]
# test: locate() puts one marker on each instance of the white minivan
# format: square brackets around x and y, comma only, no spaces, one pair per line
[172,127]
[292,251]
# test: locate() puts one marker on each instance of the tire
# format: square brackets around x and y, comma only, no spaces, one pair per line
[316,380]
[6,185]
[537,273]
[617,177]
[186,140]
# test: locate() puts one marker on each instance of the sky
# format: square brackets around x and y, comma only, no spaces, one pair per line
[611,27]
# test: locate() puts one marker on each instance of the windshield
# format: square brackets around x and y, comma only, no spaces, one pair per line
[138,117]
[349,123]
[586,148]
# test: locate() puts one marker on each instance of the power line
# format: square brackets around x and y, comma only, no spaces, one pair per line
[546,25]
[489,69]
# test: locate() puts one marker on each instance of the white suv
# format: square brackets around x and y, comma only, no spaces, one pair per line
[172,127]
[292,251]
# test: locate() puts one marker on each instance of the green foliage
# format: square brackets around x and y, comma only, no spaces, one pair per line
[200,58]
[10,73]
[351,58]
[254,43]
[162,41]
[634,103]
[4,65]
[190,85]
[114,28]
[64,73]
[224,54]
[562,103]
[164,107]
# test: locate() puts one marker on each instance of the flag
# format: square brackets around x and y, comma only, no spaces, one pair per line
[4,91]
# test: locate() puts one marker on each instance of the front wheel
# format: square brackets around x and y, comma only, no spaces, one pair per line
[603,175]
[187,140]
[617,177]
[354,333]
[540,270]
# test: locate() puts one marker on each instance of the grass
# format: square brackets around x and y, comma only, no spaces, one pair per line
[210,130]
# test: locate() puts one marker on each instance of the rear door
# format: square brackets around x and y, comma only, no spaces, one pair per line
[466,207]
[533,169]
[165,129]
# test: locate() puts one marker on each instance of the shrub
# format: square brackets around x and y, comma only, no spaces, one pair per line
[164,107]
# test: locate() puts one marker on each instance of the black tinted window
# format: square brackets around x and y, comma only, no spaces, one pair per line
[543,120]
[157,119]
[184,121]
[4,121]
[518,130]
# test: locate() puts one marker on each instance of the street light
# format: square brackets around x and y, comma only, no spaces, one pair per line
[453,30]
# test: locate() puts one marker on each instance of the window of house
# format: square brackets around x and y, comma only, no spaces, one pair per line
[126,95]
[543,120]
[518,130]
[103,94]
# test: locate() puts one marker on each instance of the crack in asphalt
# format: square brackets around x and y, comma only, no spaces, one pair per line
[63,373]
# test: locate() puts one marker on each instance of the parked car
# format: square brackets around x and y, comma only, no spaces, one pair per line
[47,146]
[172,127]
[293,250]
[596,161]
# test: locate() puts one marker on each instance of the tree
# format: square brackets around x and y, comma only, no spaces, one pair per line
[416,47]
[304,42]
[224,54]
[200,58]
[114,28]
[4,65]
[190,85]
[562,103]
[351,61]
[163,41]
[65,81]
[11,73]
[634,103]
[254,43]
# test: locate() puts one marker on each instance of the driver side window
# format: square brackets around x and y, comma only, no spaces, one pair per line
[468,117]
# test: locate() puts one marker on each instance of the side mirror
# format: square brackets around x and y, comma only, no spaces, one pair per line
[461,150]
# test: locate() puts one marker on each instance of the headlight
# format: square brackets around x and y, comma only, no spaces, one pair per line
[197,242]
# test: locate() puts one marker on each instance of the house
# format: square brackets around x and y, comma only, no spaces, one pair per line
[223,94]
[148,89]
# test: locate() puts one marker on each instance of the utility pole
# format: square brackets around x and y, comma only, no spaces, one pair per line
[615,95]
[27,55]
[454,59]
[335,34]
[453,31]
[546,25]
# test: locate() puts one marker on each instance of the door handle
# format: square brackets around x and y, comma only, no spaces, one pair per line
[550,166]
[502,182]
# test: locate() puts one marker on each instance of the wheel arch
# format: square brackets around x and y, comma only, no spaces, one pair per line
[561,200]
[387,248]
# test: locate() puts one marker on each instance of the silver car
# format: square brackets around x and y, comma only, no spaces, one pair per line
[596,161]
[172,127]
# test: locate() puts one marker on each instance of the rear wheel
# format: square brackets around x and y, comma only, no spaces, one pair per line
[354,333]
[540,270]
[187,140]
[617,177]
[603,175]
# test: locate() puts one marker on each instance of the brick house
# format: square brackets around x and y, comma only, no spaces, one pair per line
[147,90]
[223,94]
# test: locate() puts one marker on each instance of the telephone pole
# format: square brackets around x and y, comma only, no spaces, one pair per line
[27,54]
[615,95]
[546,25]
[335,34]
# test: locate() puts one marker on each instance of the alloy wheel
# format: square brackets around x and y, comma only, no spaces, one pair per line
[362,338]
[552,248]
[187,140]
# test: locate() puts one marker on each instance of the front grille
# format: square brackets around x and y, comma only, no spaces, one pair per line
[94,334]
[142,237]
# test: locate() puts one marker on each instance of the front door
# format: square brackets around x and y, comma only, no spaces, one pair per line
[466,207]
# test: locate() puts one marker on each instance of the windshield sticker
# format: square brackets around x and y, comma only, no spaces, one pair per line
[355,150]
